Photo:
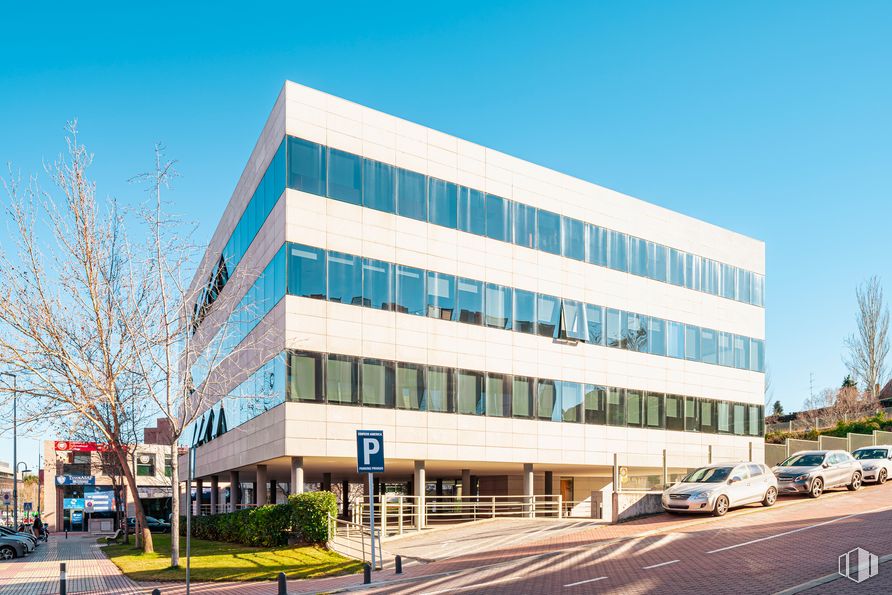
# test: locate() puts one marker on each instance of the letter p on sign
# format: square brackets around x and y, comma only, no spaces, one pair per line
[370,451]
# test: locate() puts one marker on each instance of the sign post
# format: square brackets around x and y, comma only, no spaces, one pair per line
[370,459]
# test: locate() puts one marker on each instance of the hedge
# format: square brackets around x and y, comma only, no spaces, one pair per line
[305,515]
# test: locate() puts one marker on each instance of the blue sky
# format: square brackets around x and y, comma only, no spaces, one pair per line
[768,118]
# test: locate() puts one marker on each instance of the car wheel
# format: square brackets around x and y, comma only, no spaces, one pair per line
[856,482]
[882,476]
[770,497]
[721,506]
[7,553]
[817,488]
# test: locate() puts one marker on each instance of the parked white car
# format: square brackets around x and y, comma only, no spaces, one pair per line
[718,488]
[876,461]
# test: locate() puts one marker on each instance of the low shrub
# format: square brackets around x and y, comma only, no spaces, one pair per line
[311,512]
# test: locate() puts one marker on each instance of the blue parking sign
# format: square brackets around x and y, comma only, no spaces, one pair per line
[370,451]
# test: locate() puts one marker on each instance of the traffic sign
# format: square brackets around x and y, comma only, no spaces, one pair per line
[6,497]
[370,451]
[27,506]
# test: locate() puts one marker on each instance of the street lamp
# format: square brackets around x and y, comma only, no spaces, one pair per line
[15,455]
[15,483]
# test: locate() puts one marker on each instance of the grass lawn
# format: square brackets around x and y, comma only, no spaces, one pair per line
[217,561]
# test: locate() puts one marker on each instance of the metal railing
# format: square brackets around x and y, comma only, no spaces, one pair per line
[353,540]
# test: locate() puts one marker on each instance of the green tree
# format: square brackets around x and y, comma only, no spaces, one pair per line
[778,408]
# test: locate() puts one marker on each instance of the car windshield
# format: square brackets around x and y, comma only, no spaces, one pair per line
[803,461]
[708,475]
[870,453]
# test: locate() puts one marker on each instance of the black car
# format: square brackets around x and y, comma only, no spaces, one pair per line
[154,525]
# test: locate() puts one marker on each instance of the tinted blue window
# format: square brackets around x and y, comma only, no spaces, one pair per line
[758,297]
[692,271]
[344,278]
[524,311]
[613,327]
[709,276]
[377,284]
[573,241]
[344,176]
[410,296]
[741,352]
[548,315]
[595,323]
[306,272]
[596,245]
[692,343]
[744,286]
[471,211]
[657,336]
[497,304]
[726,349]
[524,225]
[548,232]
[411,198]
[571,402]
[443,199]
[635,332]
[573,320]
[637,256]
[757,355]
[619,251]
[676,267]
[709,346]
[498,218]
[729,281]
[656,261]
[471,398]
[306,166]
[548,400]
[377,185]
[470,301]
[440,296]
[675,339]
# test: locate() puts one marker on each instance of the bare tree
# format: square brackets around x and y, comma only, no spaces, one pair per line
[869,346]
[62,324]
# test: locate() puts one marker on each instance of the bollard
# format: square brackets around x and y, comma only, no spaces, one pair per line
[283,585]
[399,564]
[63,588]
[66,533]
[366,574]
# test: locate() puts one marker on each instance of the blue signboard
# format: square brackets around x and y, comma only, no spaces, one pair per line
[77,517]
[73,504]
[99,500]
[75,480]
[370,451]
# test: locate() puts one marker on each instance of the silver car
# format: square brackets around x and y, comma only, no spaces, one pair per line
[876,462]
[814,471]
[11,548]
[718,488]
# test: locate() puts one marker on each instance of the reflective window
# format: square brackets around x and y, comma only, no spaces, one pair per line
[498,306]
[306,272]
[758,291]
[754,428]
[498,218]
[709,276]
[439,390]
[573,320]
[637,256]
[741,352]
[634,328]
[723,417]
[657,264]
[594,324]
[377,186]
[612,327]
[738,419]
[596,245]
[378,383]
[547,404]
[411,199]
[344,278]
[616,407]
[410,298]
[618,246]
[548,314]
[709,346]
[744,286]
[344,176]
[691,414]
[306,166]
[498,395]
[595,404]
[692,271]
[676,267]
[471,211]
[653,410]
[729,281]
[440,296]
[524,311]
[674,412]
[304,376]
[634,404]
[522,397]
[524,225]
[548,232]
[443,203]
[707,416]
[470,301]
[409,386]
[657,336]
[341,375]
[571,402]
[757,355]
[675,339]
[470,393]
[573,238]
[377,284]
[692,343]
[726,349]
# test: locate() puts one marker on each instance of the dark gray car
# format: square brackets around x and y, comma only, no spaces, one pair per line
[814,471]
[11,548]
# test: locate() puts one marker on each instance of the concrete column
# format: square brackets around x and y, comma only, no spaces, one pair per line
[215,494]
[297,475]
[254,491]
[234,491]
[345,498]
[272,491]
[260,497]
[199,493]
[549,483]
[419,481]
[528,487]
[465,483]
[326,482]
[440,487]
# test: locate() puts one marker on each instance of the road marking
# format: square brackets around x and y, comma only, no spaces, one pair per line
[591,580]
[842,518]
[660,564]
